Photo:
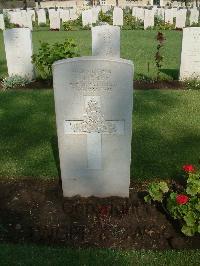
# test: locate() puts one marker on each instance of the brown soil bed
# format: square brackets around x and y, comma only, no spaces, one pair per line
[35,212]
[138,85]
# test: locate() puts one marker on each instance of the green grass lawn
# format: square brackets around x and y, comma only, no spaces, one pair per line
[138,46]
[166,133]
[11,255]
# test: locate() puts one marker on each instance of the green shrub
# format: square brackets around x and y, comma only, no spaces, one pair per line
[193,83]
[105,17]
[87,27]
[14,81]
[131,23]
[42,24]
[49,53]
[67,26]
[162,25]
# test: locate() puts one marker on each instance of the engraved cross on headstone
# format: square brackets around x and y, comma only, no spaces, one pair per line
[94,125]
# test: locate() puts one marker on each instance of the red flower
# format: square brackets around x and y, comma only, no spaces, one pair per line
[188,168]
[181,199]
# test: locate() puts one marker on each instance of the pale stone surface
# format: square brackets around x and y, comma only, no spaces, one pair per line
[2,24]
[140,13]
[161,13]
[169,16]
[72,14]
[64,15]
[194,16]
[15,17]
[148,18]
[26,20]
[93,102]
[105,8]
[32,14]
[106,41]
[41,16]
[181,18]
[95,14]
[118,16]
[190,55]
[18,48]
[54,17]
[87,17]
[174,11]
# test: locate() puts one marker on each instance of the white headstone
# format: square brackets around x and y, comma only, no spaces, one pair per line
[41,16]
[169,16]
[16,18]
[194,16]
[93,102]
[140,14]
[105,8]
[148,18]
[181,18]
[190,54]
[54,20]
[2,24]
[64,15]
[118,16]
[161,13]
[26,20]
[32,14]
[18,48]
[87,17]
[72,14]
[106,41]
[95,14]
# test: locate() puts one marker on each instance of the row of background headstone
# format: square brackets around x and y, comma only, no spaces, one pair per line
[105,42]
[25,18]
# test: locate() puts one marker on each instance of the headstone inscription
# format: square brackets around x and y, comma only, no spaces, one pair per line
[118,16]
[190,54]
[106,41]
[93,102]
[18,48]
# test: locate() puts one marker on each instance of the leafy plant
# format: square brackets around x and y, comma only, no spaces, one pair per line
[105,17]
[86,27]
[193,83]
[158,56]
[14,81]
[49,53]
[184,205]
[67,26]
[131,22]
[162,25]
[42,24]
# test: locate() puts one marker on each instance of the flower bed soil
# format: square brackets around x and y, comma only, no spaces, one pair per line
[138,85]
[35,212]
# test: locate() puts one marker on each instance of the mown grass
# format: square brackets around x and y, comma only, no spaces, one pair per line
[166,133]
[138,46]
[24,255]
